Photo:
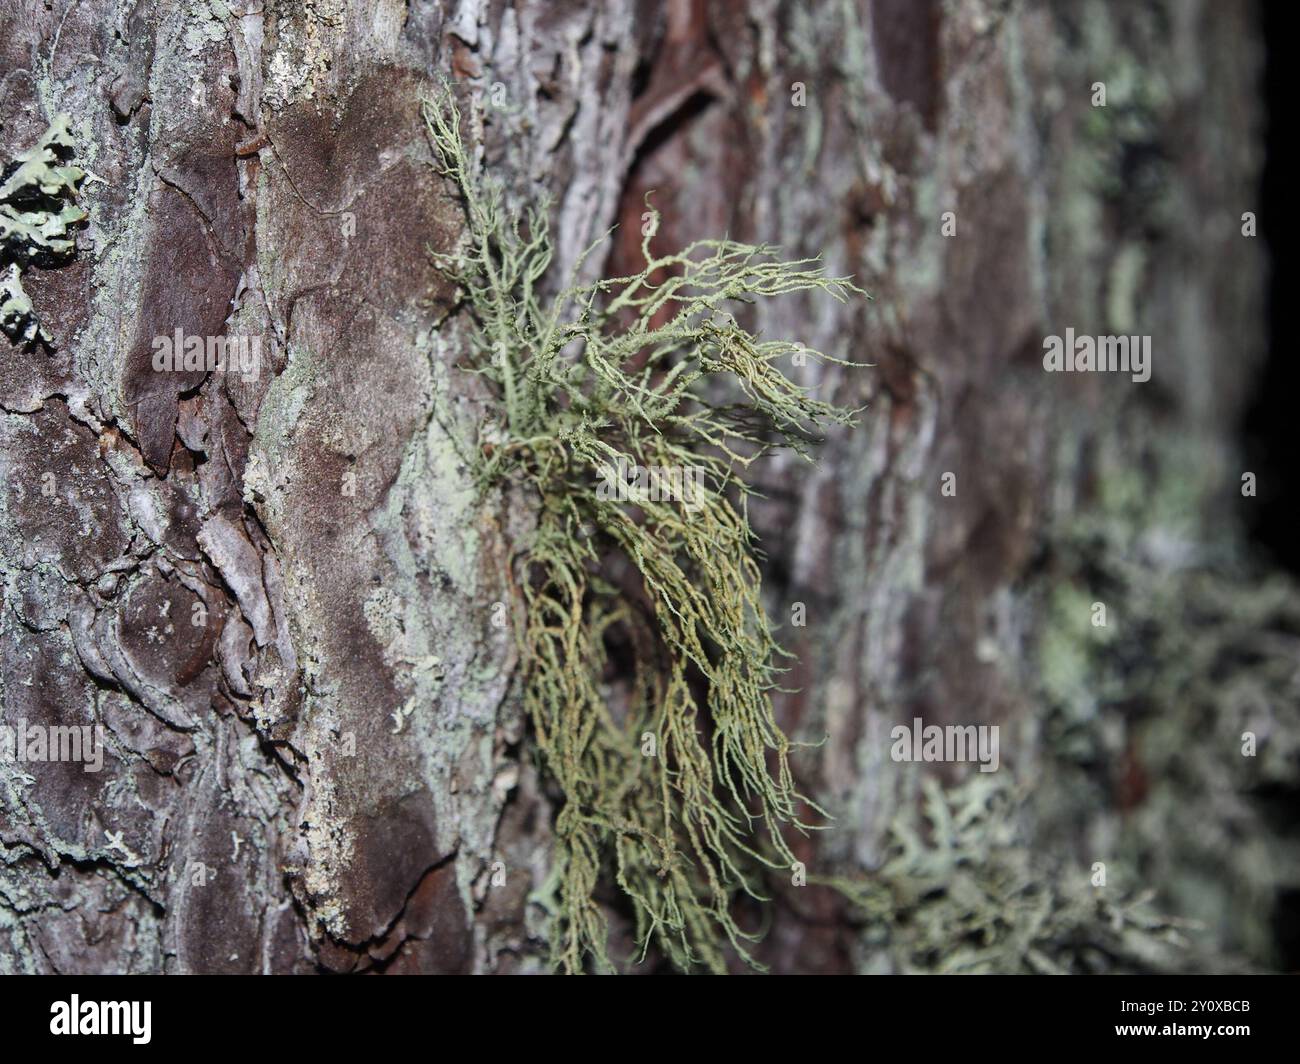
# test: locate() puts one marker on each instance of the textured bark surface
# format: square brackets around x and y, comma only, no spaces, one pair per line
[332,772]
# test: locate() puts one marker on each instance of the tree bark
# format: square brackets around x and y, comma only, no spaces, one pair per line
[281,595]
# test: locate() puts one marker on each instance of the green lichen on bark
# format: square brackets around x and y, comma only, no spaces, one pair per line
[1182,710]
[676,783]
[36,218]
[970,893]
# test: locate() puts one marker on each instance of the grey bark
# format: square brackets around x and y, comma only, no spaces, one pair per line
[332,772]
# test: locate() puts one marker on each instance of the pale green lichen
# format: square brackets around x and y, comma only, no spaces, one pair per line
[970,894]
[1182,712]
[36,218]
[674,778]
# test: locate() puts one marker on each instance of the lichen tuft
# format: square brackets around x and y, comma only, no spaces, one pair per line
[673,775]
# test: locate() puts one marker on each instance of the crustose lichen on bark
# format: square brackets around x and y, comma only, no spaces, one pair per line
[36,219]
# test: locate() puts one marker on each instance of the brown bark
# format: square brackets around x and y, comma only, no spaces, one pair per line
[340,742]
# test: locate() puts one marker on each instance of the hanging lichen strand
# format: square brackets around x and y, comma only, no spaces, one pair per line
[678,782]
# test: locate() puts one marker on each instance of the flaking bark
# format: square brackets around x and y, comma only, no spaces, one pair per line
[340,743]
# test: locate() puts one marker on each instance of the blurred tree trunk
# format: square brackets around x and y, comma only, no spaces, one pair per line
[278,594]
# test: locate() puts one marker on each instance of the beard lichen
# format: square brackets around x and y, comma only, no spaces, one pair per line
[673,778]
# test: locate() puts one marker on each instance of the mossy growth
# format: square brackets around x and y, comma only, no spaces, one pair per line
[675,784]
